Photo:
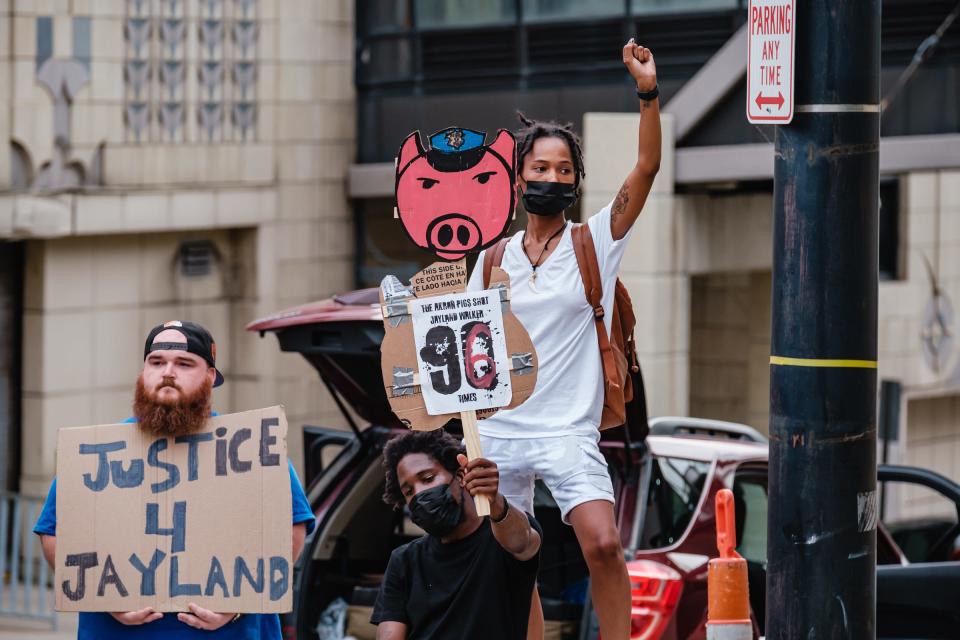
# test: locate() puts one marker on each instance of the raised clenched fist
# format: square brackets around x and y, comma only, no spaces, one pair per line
[640,64]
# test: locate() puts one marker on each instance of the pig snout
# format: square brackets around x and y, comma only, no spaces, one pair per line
[453,233]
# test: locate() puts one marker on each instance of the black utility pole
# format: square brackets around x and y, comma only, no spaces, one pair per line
[823,384]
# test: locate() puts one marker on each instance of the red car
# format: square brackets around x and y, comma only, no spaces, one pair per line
[665,507]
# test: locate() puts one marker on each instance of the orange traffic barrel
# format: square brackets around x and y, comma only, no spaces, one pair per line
[728,598]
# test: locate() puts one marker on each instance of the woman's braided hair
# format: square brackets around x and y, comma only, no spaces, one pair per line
[533,129]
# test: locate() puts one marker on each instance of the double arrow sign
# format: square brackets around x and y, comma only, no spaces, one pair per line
[770,48]
[763,100]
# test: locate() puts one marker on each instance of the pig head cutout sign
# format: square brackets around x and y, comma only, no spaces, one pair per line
[456,196]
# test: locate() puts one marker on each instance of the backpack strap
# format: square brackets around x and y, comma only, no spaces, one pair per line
[593,288]
[493,257]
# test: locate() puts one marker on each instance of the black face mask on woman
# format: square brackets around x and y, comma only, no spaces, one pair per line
[548,198]
[436,511]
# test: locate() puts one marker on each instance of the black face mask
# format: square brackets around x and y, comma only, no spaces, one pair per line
[436,511]
[548,198]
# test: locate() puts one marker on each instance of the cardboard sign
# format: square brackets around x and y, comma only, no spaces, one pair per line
[439,278]
[456,195]
[146,521]
[461,352]
[399,360]
[770,61]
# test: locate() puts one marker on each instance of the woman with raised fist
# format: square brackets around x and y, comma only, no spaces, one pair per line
[554,434]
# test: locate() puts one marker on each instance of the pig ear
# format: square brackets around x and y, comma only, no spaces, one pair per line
[410,149]
[506,146]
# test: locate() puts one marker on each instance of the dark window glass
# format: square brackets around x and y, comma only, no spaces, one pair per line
[44,39]
[534,10]
[386,250]
[750,505]
[674,493]
[452,57]
[890,229]
[387,59]
[642,7]
[383,14]
[922,521]
[81,40]
[464,13]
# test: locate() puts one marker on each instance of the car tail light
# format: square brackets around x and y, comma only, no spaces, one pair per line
[654,593]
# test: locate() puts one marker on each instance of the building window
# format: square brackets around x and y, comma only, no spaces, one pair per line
[536,10]
[384,15]
[381,253]
[646,7]
[890,263]
[464,13]
[446,44]
[387,59]
[12,261]
[190,73]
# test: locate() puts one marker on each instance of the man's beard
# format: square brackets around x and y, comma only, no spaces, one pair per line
[187,414]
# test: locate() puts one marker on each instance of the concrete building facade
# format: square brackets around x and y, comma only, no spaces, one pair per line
[176,159]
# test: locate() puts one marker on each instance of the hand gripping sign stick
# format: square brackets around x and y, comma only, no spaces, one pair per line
[447,353]
[728,600]
[471,435]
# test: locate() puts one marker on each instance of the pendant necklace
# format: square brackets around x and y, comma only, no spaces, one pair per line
[536,263]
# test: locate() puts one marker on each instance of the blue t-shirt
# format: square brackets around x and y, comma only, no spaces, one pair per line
[102,626]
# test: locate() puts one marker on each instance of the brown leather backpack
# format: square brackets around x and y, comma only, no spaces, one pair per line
[619,355]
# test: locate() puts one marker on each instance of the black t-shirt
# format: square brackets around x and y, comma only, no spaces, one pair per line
[471,588]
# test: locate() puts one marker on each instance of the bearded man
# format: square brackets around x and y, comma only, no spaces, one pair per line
[173,398]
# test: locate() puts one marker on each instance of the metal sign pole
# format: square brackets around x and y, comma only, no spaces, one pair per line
[823,384]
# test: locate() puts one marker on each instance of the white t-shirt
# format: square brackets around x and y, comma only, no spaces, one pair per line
[568,397]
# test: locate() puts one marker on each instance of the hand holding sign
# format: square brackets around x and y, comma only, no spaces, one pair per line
[136,618]
[204,619]
[482,477]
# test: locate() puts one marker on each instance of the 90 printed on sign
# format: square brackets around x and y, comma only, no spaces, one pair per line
[476,349]
[461,353]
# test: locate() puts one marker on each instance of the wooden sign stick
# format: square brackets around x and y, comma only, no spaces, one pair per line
[472,437]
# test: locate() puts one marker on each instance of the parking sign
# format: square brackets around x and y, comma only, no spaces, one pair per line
[770,61]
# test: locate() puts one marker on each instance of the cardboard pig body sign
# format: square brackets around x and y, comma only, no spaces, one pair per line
[478,356]
[147,521]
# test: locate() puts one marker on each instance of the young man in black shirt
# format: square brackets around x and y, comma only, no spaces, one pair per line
[469,577]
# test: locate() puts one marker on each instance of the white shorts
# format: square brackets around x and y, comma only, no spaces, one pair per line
[572,467]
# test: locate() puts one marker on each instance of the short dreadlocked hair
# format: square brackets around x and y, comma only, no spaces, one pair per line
[438,444]
[533,129]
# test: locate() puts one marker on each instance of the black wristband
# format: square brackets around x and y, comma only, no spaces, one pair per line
[503,516]
[649,95]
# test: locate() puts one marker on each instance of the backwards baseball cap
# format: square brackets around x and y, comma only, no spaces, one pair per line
[199,342]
